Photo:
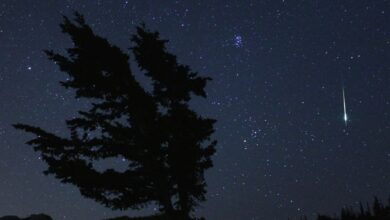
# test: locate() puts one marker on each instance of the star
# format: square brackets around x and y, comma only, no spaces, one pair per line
[237,41]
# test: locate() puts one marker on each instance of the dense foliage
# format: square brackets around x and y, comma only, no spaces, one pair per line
[166,145]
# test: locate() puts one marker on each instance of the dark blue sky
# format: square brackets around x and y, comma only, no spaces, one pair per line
[278,68]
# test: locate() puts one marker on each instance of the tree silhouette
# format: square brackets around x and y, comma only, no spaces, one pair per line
[166,144]
[378,212]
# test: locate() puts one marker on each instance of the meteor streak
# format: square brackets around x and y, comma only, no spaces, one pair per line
[345,109]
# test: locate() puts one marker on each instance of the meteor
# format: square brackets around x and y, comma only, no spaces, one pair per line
[345,109]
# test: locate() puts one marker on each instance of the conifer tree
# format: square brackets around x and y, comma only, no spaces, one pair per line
[166,144]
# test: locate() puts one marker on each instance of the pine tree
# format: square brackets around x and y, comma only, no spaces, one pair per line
[166,144]
[379,212]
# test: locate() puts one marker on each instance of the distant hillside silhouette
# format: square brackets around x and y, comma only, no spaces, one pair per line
[31,217]
[153,217]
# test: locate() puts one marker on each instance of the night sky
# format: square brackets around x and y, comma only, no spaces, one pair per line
[278,69]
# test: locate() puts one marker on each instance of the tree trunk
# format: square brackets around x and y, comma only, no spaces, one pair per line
[167,204]
[184,205]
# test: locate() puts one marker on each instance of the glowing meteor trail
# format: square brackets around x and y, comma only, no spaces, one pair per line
[345,109]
